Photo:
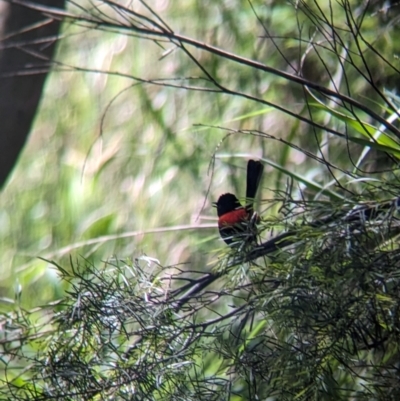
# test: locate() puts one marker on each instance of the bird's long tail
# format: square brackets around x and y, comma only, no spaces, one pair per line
[254,173]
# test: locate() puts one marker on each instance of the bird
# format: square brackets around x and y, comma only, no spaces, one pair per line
[236,223]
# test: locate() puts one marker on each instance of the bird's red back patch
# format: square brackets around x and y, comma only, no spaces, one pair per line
[232,218]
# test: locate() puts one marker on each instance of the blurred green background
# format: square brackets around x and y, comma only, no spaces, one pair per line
[119,167]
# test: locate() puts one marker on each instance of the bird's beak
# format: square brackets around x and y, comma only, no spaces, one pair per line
[214,204]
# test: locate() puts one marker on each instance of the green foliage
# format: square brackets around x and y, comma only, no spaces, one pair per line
[150,113]
[316,320]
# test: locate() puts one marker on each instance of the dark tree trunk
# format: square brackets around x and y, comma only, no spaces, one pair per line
[27,43]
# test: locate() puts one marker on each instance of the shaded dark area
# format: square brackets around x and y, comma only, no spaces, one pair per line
[28,39]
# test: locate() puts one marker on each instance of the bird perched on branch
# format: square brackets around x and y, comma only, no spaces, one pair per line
[236,223]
